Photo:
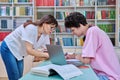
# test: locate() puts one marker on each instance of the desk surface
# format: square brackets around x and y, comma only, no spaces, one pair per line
[88,74]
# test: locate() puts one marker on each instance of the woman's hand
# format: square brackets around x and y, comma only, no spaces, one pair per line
[46,55]
[37,59]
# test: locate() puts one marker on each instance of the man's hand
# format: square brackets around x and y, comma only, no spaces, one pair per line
[70,56]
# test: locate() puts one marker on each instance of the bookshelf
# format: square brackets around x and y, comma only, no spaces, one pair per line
[102,13]
[118,22]
[13,13]
[98,12]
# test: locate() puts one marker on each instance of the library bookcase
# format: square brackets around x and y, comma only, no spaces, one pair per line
[101,13]
[13,13]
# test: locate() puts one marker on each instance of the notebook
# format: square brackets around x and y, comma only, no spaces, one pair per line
[57,56]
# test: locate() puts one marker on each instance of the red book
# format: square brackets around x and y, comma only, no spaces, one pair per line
[0,36]
[3,35]
[93,15]
[103,12]
[60,4]
[50,2]
[111,2]
[88,14]
[45,2]
[39,2]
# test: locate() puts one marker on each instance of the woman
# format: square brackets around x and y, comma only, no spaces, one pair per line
[26,40]
[97,50]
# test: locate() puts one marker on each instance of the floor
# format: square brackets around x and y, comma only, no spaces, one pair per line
[3,79]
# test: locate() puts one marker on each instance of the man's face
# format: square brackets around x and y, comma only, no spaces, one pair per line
[77,31]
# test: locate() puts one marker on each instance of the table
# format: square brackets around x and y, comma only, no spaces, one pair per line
[88,74]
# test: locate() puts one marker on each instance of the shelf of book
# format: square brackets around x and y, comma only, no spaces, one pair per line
[14,13]
[5,3]
[97,12]
[23,3]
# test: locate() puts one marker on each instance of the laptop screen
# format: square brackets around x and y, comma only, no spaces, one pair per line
[56,54]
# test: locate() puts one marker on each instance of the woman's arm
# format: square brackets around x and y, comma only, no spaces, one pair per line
[33,52]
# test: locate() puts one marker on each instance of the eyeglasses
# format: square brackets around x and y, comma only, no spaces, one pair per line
[52,28]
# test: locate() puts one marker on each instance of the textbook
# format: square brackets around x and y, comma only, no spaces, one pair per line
[65,71]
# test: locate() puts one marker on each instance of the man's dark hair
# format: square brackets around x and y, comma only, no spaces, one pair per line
[74,19]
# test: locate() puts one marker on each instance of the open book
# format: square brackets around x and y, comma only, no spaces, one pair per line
[65,71]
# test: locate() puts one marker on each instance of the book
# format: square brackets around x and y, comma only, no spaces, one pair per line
[4,23]
[65,71]
[111,2]
[67,41]
[99,16]
[103,14]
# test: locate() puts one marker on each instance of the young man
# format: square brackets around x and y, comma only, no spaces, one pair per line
[97,49]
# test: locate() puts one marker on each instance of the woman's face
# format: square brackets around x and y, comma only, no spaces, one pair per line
[48,28]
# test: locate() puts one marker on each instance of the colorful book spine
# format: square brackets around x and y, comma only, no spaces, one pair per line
[3,35]
[99,16]
[107,27]
[46,2]
[103,13]
[4,24]
[67,41]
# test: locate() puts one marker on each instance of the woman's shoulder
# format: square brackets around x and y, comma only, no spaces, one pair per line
[31,26]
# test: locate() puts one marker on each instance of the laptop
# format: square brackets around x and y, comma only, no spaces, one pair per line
[57,56]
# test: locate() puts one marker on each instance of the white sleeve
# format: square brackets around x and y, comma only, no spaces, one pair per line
[29,34]
[47,41]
